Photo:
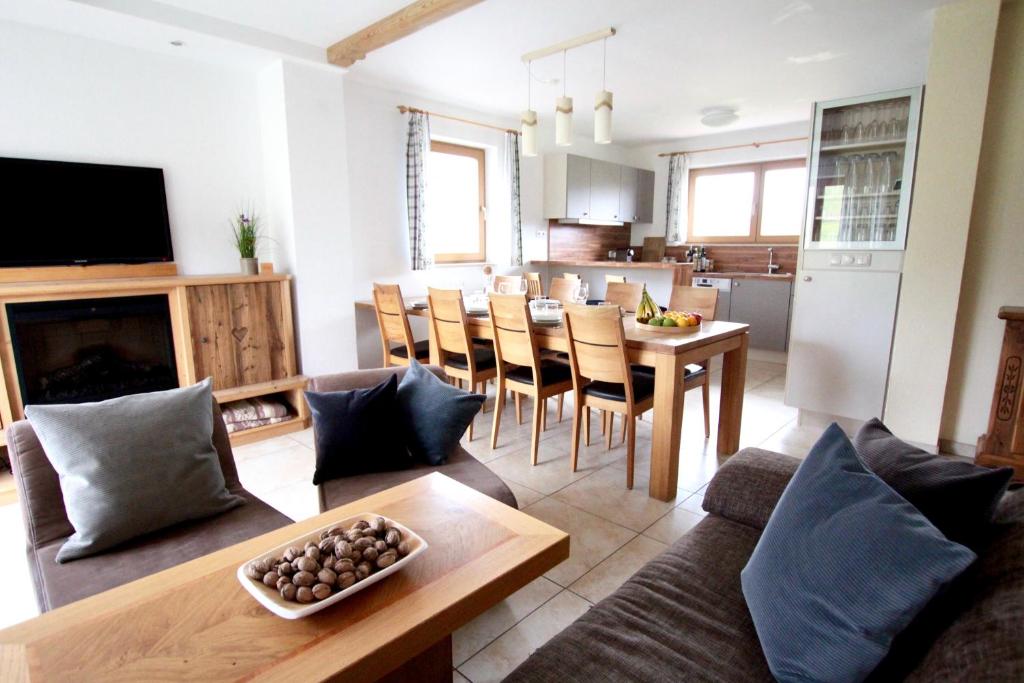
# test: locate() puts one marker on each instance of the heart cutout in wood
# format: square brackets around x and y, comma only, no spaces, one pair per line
[239,333]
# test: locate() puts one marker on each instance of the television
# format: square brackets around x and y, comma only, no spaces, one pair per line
[62,213]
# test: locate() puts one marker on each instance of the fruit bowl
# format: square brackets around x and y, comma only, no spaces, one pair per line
[686,329]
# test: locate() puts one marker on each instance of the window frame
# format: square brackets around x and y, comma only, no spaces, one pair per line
[479,154]
[753,235]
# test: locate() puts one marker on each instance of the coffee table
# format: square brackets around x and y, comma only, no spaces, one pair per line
[196,621]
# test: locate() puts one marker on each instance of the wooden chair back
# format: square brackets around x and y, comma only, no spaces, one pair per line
[564,289]
[392,318]
[513,332]
[625,294]
[451,325]
[597,345]
[508,284]
[571,276]
[614,278]
[534,285]
[703,300]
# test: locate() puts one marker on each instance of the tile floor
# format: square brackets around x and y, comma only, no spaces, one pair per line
[614,531]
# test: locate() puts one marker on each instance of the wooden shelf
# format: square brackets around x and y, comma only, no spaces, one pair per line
[291,386]
[295,424]
[867,144]
[262,389]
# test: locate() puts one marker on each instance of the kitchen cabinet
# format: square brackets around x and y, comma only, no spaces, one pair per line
[764,305]
[578,188]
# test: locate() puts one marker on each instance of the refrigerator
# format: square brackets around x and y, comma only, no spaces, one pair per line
[860,178]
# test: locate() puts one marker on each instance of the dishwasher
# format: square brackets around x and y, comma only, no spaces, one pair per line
[724,287]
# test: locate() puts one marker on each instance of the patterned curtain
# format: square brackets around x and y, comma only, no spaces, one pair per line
[512,172]
[416,150]
[675,209]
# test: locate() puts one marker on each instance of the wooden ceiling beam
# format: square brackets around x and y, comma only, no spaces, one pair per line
[393,27]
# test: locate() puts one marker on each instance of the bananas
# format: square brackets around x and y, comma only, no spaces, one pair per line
[647,308]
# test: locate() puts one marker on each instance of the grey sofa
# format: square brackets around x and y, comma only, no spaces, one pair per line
[461,466]
[47,526]
[682,617]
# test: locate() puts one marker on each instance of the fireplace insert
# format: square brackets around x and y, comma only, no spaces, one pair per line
[84,350]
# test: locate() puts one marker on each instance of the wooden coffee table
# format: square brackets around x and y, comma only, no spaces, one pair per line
[196,621]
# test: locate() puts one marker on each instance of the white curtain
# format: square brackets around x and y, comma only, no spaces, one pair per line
[515,215]
[675,208]
[416,150]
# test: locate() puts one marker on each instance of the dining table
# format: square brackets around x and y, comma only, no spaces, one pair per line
[668,353]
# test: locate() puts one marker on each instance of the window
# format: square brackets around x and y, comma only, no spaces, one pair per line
[748,202]
[455,203]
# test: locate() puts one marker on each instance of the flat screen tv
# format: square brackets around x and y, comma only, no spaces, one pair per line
[61,213]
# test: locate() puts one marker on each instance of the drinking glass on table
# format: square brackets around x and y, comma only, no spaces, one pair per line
[582,293]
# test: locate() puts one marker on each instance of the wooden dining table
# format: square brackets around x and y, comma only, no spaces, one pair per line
[669,354]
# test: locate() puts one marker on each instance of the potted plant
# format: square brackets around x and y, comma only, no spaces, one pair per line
[246,229]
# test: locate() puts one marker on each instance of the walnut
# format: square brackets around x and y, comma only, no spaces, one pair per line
[342,549]
[321,591]
[356,556]
[282,581]
[327,576]
[313,552]
[363,543]
[403,548]
[392,537]
[285,569]
[361,524]
[346,579]
[327,546]
[309,544]
[381,546]
[378,525]
[255,570]
[304,594]
[306,564]
[291,554]
[344,565]
[324,534]
[370,555]
[304,579]
[270,579]
[363,569]
[387,559]
[288,591]
[335,531]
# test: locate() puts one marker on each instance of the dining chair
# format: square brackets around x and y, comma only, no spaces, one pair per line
[602,377]
[461,360]
[520,366]
[564,289]
[626,294]
[571,276]
[508,284]
[393,322]
[534,285]
[614,278]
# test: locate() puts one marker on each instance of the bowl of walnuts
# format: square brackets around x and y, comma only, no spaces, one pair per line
[323,567]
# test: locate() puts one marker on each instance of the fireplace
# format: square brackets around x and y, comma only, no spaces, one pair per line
[84,350]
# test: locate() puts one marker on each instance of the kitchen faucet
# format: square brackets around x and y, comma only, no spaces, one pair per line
[772,267]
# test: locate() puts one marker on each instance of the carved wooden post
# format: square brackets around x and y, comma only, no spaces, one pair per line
[1003,444]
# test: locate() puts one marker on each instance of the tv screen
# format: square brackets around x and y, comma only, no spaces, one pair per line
[61,213]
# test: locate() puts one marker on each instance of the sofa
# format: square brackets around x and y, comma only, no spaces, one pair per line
[460,466]
[47,526]
[683,616]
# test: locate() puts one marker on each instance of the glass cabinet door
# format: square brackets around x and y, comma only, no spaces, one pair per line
[861,175]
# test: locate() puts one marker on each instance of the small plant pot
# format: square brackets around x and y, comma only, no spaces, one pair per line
[250,266]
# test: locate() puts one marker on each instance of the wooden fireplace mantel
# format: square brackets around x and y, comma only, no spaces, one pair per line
[237,329]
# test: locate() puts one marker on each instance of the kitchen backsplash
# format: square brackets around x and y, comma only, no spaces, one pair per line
[746,258]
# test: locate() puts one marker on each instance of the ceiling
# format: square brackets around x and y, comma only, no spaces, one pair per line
[770,59]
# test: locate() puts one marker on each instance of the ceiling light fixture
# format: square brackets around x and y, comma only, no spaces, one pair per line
[715,117]
[603,104]
[529,119]
[563,114]
[177,43]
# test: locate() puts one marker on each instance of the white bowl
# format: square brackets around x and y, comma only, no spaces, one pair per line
[271,598]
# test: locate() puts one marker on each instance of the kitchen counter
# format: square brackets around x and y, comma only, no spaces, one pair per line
[740,275]
[682,273]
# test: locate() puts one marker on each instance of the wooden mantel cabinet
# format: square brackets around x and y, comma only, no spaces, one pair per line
[236,329]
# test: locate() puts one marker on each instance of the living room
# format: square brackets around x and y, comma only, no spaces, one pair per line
[286,201]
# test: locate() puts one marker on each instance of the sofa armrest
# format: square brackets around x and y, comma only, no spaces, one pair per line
[748,486]
[362,379]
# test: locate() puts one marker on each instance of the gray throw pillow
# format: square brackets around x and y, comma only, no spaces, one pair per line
[133,464]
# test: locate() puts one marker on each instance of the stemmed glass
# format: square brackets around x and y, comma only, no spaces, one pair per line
[582,293]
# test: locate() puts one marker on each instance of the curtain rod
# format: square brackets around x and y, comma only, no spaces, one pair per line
[717,149]
[404,109]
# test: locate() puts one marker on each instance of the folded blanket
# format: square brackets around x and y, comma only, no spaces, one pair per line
[250,409]
[250,424]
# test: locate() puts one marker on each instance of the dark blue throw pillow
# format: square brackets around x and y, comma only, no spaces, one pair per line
[843,566]
[435,414]
[358,431]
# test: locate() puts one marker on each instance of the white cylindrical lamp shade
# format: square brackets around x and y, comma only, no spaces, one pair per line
[603,118]
[563,121]
[529,133]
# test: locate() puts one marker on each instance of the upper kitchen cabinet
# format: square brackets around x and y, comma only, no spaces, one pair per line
[862,171]
[582,189]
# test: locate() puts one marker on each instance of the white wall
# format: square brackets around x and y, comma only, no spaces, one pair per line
[74,99]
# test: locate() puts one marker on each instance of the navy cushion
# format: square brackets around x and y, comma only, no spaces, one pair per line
[357,431]
[956,496]
[435,414]
[551,372]
[643,389]
[484,359]
[842,567]
[420,348]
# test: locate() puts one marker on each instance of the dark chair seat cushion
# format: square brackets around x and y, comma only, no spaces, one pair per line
[551,372]
[643,389]
[461,466]
[682,617]
[484,360]
[420,348]
[690,371]
[60,584]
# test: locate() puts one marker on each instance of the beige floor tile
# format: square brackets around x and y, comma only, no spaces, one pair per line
[672,526]
[524,496]
[553,470]
[19,602]
[605,494]
[591,538]
[693,504]
[477,634]
[458,678]
[305,437]
[260,448]
[498,659]
[288,465]
[605,578]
